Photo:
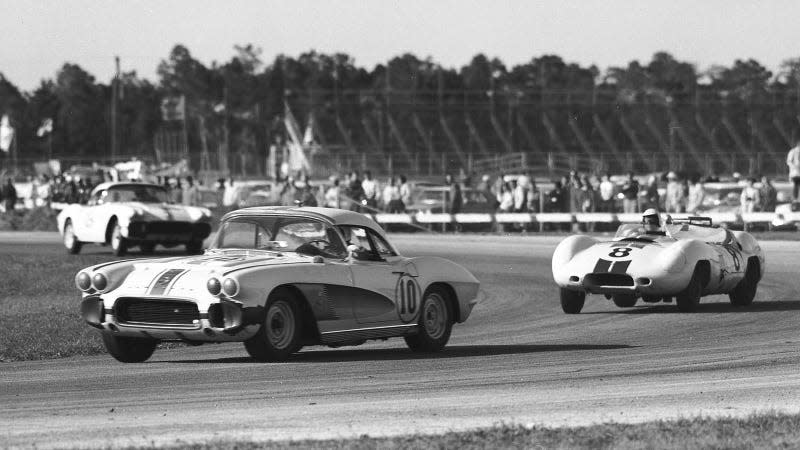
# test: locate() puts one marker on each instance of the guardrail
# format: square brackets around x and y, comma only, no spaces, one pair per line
[761,218]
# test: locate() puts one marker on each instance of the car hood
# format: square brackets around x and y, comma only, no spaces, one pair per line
[619,256]
[190,274]
[167,212]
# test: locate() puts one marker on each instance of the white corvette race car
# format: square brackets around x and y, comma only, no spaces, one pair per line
[279,278]
[125,214]
[687,260]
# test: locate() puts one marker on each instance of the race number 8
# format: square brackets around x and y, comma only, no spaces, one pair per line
[407,294]
[620,252]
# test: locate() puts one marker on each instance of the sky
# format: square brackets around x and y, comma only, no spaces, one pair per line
[38,36]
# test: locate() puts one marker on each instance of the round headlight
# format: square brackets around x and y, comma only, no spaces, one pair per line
[99,281]
[230,287]
[214,286]
[83,281]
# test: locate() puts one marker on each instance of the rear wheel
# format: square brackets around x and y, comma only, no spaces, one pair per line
[744,292]
[71,241]
[281,332]
[129,349]
[625,300]
[689,299]
[435,322]
[119,245]
[572,301]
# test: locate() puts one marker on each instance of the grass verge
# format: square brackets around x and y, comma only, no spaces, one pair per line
[40,305]
[765,430]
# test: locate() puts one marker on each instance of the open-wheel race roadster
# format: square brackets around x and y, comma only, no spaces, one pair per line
[278,279]
[686,260]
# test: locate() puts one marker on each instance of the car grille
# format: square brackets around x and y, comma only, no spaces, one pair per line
[608,279]
[157,312]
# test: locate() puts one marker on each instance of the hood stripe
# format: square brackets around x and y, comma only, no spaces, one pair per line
[620,266]
[602,266]
[164,280]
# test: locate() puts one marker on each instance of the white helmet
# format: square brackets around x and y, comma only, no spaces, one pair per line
[650,219]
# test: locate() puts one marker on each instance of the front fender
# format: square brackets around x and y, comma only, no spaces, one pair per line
[568,248]
[431,270]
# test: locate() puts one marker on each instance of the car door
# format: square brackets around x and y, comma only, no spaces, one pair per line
[385,290]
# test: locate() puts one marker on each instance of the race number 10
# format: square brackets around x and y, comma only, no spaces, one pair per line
[407,295]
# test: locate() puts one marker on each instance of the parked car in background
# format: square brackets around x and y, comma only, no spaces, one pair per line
[125,215]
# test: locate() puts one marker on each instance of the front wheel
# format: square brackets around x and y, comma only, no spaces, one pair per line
[435,322]
[280,333]
[572,301]
[71,241]
[129,349]
[119,245]
[744,292]
[689,299]
[625,300]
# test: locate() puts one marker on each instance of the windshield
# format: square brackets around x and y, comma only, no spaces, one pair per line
[136,193]
[282,234]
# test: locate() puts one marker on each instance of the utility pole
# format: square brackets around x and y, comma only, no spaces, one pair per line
[114,113]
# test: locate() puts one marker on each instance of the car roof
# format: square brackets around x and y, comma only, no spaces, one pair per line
[110,184]
[333,215]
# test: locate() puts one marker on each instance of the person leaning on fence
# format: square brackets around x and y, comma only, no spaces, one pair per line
[607,192]
[793,161]
[391,197]
[405,192]
[630,193]
[332,195]
[370,188]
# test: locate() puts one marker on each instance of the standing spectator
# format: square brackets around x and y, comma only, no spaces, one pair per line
[768,194]
[332,197]
[289,192]
[750,198]
[230,195]
[793,161]
[630,192]
[391,197]
[694,199]
[306,194]
[675,201]
[607,189]
[220,193]
[175,191]
[534,197]
[189,192]
[652,198]
[454,198]
[521,194]
[355,191]
[575,186]
[556,198]
[370,188]
[588,200]
[485,184]
[506,198]
[10,195]
[405,192]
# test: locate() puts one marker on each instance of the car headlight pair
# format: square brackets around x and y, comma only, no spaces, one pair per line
[86,282]
[228,286]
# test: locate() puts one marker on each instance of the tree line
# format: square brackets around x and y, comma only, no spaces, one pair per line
[246,97]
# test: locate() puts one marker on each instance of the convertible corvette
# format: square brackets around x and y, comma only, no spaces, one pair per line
[686,260]
[125,214]
[278,279]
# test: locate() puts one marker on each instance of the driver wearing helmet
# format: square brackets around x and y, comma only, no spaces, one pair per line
[652,222]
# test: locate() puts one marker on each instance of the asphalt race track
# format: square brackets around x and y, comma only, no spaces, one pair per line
[518,359]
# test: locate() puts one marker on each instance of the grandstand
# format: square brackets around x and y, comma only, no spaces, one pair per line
[548,132]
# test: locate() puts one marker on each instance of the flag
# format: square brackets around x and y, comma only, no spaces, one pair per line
[45,128]
[308,136]
[297,156]
[6,134]
[173,108]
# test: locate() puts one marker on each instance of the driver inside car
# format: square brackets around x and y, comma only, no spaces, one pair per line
[652,222]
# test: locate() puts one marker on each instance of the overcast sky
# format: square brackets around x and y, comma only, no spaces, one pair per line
[38,36]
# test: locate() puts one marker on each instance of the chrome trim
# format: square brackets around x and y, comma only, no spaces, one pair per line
[407,325]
